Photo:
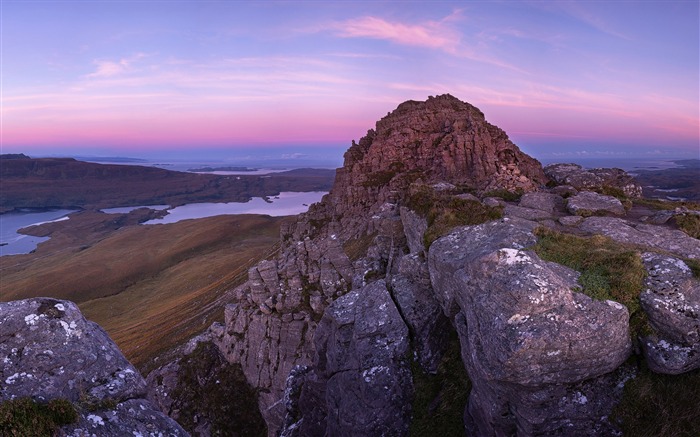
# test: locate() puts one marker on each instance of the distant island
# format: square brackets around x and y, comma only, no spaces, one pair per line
[230,168]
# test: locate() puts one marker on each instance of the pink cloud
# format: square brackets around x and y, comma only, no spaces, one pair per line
[114,68]
[432,34]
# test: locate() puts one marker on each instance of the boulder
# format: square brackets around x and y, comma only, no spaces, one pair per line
[587,203]
[48,350]
[593,179]
[525,335]
[526,213]
[414,227]
[671,299]
[651,236]
[548,202]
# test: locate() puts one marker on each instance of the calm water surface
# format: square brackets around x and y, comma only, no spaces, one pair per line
[14,243]
[286,203]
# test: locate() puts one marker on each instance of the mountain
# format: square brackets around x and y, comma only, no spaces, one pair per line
[450,285]
[68,183]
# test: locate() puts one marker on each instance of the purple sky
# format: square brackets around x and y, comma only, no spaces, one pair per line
[133,78]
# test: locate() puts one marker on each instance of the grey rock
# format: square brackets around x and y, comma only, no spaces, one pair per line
[360,383]
[422,313]
[524,334]
[671,299]
[526,213]
[48,350]
[571,220]
[414,227]
[651,236]
[564,190]
[450,255]
[597,178]
[130,418]
[292,393]
[548,202]
[588,203]
[467,196]
[493,201]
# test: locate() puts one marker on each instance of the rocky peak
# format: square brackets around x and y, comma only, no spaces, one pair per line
[438,141]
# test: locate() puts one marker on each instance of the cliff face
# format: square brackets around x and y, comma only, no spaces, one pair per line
[328,330]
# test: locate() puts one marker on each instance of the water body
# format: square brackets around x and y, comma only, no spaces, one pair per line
[128,209]
[287,203]
[14,243]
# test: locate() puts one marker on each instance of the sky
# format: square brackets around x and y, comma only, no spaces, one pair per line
[190,78]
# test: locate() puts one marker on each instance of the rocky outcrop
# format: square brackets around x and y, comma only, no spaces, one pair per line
[594,179]
[358,234]
[672,302]
[655,237]
[524,334]
[48,351]
[360,382]
[588,203]
[327,329]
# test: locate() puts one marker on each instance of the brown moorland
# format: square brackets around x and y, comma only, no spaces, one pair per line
[150,287]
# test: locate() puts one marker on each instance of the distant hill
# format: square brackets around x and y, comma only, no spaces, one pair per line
[14,156]
[65,182]
[674,183]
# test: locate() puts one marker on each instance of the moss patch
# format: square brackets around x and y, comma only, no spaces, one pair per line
[660,405]
[209,388]
[690,224]
[444,212]
[440,399]
[609,271]
[25,417]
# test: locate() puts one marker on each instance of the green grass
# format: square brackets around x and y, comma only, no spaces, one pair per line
[690,224]
[609,271]
[508,196]
[444,211]
[440,399]
[25,417]
[660,405]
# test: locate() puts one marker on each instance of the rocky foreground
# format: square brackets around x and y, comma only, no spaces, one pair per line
[418,243]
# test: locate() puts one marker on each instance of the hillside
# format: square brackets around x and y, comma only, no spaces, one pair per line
[68,183]
[150,287]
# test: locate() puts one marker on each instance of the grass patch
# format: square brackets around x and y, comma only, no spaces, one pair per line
[443,212]
[440,399]
[609,271]
[689,223]
[508,196]
[660,204]
[694,266]
[660,405]
[25,417]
